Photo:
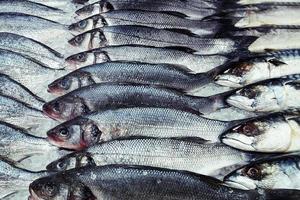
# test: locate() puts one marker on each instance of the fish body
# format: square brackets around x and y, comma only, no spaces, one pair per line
[176,56]
[264,67]
[31,48]
[171,76]
[126,122]
[113,95]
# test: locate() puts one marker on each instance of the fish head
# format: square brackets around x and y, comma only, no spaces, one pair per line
[270,134]
[70,82]
[267,174]
[75,134]
[80,59]
[71,161]
[83,40]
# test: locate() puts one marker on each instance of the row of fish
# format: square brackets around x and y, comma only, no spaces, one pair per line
[171,99]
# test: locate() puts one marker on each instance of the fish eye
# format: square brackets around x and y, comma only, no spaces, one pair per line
[254,173]
[65,83]
[82,24]
[81,57]
[248,129]
[250,93]
[64,132]
[56,107]
[61,165]
[77,40]
[49,189]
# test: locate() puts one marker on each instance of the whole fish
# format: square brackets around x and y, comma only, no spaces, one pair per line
[262,134]
[282,172]
[113,95]
[177,56]
[264,67]
[140,182]
[19,146]
[107,125]
[31,48]
[163,20]
[191,155]
[22,115]
[11,88]
[14,179]
[50,33]
[24,70]
[171,76]
[148,36]
[193,9]
[270,96]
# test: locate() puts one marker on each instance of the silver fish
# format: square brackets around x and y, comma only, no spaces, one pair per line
[275,133]
[270,96]
[148,36]
[199,157]
[282,173]
[163,20]
[121,123]
[177,56]
[31,48]
[264,67]
[20,114]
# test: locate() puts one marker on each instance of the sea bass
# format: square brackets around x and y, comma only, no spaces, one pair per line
[107,125]
[273,133]
[282,172]
[155,55]
[191,155]
[31,48]
[115,95]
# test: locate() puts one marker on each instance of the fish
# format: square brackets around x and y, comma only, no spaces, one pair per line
[22,115]
[274,95]
[24,70]
[14,179]
[166,75]
[282,172]
[31,48]
[19,146]
[179,154]
[154,55]
[162,20]
[102,126]
[11,88]
[141,182]
[193,9]
[148,36]
[117,95]
[263,67]
[273,133]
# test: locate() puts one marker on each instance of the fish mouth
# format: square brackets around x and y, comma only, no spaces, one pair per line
[236,185]
[224,81]
[55,90]
[237,102]
[237,143]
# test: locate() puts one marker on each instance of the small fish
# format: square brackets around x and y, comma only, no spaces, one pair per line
[274,95]
[163,20]
[148,36]
[115,95]
[31,48]
[14,179]
[22,115]
[282,172]
[154,55]
[107,125]
[274,133]
[180,154]
[171,76]
[263,67]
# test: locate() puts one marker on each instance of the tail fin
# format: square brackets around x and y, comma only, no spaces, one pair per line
[280,194]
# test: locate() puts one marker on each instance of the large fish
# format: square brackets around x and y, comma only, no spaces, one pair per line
[177,56]
[32,48]
[19,146]
[269,96]
[212,159]
[274,133]
[264,67]
[30,73]
[115,182]
[125,122]
[115,95]
[14,179]
[148,36]
[22,115]
[171,76]
[282,172]
[163,20]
